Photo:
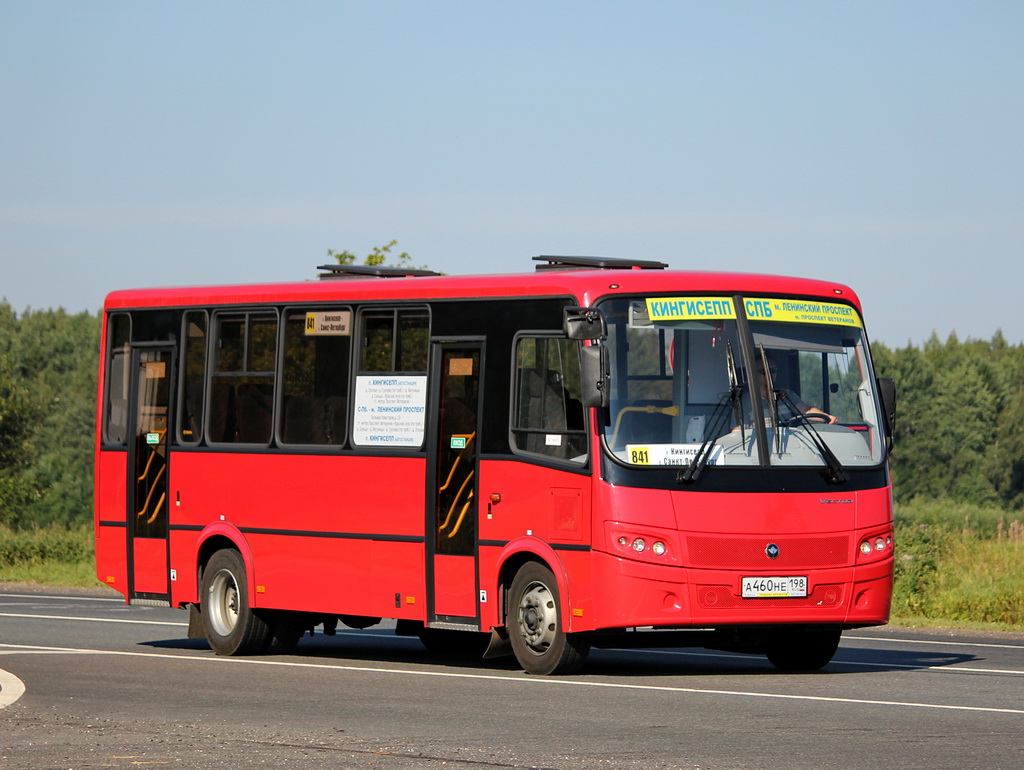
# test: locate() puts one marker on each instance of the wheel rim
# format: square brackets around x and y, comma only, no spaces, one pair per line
[222,603]
[538,617]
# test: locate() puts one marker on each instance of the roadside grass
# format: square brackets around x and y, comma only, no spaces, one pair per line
[53,555]
[957,565]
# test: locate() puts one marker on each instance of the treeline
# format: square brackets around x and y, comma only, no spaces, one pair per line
[960,418]
[959,422]
[48,372]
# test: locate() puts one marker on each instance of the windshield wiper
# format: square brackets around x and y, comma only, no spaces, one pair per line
[773,402]
[717,422]
[836,473]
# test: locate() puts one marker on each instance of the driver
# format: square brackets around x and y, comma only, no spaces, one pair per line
[790,398]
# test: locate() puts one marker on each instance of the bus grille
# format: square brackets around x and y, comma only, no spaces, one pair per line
[725,598]
[723,552]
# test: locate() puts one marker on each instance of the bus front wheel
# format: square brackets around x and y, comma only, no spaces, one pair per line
[803,649]
[535,626]
[230,625]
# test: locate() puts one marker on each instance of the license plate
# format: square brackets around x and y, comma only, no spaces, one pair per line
[774,587]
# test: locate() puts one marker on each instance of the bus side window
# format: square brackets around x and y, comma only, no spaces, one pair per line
[193,377]
[395,340]
[314,376]
[548,416]
[115,412]
[241,395]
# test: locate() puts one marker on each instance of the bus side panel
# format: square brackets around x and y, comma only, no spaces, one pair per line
[184,574]
[333,534]
[548,503]
[112,526]
[522,499]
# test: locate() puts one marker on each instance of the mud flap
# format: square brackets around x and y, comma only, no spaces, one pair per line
[499,646]
[195,623]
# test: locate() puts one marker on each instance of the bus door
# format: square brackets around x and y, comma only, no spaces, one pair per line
[148,575]
[452,483]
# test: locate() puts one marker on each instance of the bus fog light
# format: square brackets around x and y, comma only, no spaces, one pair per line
[879,543]
[639,545]
[623,541]
[658,548]
[865,548]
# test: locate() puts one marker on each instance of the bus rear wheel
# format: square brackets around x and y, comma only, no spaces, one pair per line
[803,649]
[535,627]
[229,623]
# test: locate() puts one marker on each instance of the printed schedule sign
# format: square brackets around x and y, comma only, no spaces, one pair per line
[390,410]
[335,323]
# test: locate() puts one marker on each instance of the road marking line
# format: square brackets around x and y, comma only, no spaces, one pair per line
[94,620]
[934,641]
[523,679]
[11,688]
[952,669]
[66,598]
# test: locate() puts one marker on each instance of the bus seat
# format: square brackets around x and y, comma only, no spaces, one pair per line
[221,411]
[313,420]
[298,423]
[255,413]
[335,419]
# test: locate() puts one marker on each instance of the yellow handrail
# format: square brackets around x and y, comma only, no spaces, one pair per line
[455,501]
[149,496]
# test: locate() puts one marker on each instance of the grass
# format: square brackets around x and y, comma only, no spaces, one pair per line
[957,565]
[53,555]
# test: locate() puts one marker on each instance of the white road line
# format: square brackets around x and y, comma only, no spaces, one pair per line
[934,641]
[93,620]
[521,679]
[950,669]
[11,688]
[68,598]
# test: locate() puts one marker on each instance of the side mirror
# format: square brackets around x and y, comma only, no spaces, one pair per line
[584,323]
[887,395]
[594,375]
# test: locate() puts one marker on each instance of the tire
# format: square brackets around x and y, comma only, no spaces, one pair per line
[803,649]
[230,624]
[535,626]
[285,630]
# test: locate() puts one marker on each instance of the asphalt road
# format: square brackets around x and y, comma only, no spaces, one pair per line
[87,682]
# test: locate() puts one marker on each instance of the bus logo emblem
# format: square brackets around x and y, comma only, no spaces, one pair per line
[772,551]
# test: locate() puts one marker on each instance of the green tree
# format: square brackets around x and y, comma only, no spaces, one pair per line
[379,256]
[17,414]
[47,415]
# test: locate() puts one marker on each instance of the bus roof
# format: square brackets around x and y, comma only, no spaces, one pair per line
[586,285]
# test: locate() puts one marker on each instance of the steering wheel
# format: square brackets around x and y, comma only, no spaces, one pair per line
[816,417]
[796,420]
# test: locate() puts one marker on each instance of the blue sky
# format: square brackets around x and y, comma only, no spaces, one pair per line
[880,144]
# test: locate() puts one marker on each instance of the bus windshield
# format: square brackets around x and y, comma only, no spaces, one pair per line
[723,381]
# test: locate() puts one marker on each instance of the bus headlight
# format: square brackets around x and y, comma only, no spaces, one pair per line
[647,545]
[876,545]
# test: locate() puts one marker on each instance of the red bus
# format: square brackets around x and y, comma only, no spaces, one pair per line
[601,453]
